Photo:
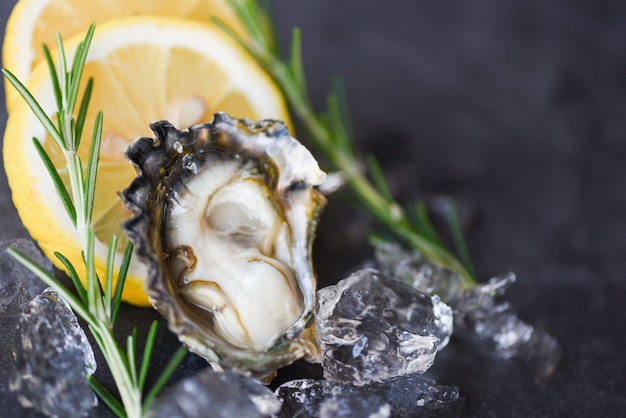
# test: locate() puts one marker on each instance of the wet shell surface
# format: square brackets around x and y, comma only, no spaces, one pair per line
[224,218]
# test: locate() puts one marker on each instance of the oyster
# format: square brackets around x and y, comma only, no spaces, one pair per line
[224,218]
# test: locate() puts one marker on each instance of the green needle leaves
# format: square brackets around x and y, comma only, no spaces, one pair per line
[96,304]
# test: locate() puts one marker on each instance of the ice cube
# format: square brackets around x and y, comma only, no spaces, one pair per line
[372,328]
[492,326]
[319,398]
[412,395]
[403,396]
[495,328]
[216,394]
[54,359]
[17,287]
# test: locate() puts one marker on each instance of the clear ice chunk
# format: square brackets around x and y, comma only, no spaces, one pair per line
[354,406]
[17,287]
[372,328]
[403,396]
[495,328]
[478,316]
[17,284]
[54,358]
[405,393]
[216,394]
[415,270]
[319,398]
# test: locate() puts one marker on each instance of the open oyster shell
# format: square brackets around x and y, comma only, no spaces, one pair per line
[224,218]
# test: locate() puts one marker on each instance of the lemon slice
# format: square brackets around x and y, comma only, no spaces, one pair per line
[145,69]
[35,22]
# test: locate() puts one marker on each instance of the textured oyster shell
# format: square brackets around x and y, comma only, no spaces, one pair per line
[165,166]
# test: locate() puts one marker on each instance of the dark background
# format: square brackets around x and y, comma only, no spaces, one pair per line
[516,109]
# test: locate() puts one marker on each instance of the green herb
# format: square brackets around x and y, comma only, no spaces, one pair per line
[331,133]
[96,305]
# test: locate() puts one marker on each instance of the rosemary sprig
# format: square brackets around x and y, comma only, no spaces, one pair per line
[96,305]
[330,132]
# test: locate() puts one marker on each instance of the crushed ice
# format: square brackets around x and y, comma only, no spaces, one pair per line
[402,396]
[46,356]
[379,330]
[372,328]
[216,394]
[479,317]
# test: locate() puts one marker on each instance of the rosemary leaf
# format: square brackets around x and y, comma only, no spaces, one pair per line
[35,107]
[336,124]
[376,173]
[108,281]
[94,289]
[457,236]
[63,72]
[58,183]
[53,78]
[131,354]
[78,285]
[424,224]
[106,396]
[80,58]
[92,168]
[54,284]
[266,24]
[147,354]
[229,31]
[339,90]
[295,61]
[176,359]
[252,21]
[121,279]
[82,111]
[77,186]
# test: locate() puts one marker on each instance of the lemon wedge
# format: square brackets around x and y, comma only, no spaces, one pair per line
[33,23]
[145,69]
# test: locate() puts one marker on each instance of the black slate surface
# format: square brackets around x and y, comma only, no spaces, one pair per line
[518,110]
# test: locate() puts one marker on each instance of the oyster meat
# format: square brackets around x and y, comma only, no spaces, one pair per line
[224,218]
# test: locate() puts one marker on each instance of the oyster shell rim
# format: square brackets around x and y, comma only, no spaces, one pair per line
[146,192]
